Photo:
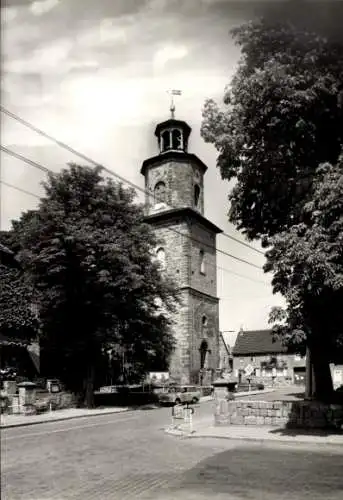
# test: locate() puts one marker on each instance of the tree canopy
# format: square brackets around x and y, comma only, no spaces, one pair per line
[18,319]
[307,263]
[280,137]
[283,116]
[89,256]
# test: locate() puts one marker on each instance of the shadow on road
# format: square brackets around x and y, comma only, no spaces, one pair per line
[285,431]
[256,472]
[299,395]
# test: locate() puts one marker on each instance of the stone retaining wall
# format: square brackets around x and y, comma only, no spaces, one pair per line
[292,414]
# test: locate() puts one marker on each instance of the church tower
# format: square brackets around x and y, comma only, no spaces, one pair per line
[175,208]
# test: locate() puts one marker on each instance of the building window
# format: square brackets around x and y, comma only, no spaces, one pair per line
[196,195]
[160,192]
[204,321]
[202,262]
[165,143]
[161,257]
[203,354]
[176,139]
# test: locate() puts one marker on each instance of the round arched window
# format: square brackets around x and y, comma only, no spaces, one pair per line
[160,192]
[161,257]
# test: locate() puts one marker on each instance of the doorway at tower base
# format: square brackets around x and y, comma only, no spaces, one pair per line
[206,376]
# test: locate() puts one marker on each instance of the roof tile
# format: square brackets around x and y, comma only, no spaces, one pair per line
[257,342]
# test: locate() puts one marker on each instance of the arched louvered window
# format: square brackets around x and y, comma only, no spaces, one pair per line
[165,141]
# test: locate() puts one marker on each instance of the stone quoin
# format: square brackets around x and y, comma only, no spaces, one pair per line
[174,182]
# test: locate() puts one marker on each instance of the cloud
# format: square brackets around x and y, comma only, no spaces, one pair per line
[42,7]
[8,14]
[104,32]
[169,53]
[43,60]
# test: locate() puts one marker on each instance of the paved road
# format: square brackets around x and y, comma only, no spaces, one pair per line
[127,456]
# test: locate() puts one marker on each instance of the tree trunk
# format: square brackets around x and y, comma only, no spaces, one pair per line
[309,382]
[322,381]
[89,387]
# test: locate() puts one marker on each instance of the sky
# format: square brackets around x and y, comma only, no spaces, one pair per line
[95,75]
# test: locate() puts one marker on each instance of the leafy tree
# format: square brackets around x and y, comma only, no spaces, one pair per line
[307,262]
[18,320]
[283,117]
[90,258]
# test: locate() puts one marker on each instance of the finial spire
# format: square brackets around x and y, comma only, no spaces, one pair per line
[172,105]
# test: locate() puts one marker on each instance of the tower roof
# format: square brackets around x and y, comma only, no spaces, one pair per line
[172,155]
[185,212]
[173,123]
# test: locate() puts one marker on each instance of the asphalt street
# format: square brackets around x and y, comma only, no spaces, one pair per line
[128,456]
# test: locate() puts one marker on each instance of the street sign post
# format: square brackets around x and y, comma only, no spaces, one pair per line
[177,414]
[249,370]
[182,415]
[188,417]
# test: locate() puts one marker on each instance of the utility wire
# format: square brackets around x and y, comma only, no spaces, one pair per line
[37,165]
[241,242]
[24,159]
[38,197]
[90,160]
[12,186]
[216,266]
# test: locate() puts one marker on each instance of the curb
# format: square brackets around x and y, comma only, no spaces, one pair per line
[195,435]
[265,440]
[253,393]
[61,419]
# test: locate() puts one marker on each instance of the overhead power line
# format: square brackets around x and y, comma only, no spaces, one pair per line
[241,243]
[121,178]
[229,271]
[12,186]
[90,160]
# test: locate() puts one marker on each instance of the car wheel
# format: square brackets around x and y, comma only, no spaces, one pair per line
[195,400]
[178,401]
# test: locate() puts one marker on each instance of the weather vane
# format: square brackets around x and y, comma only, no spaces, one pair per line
[172,105]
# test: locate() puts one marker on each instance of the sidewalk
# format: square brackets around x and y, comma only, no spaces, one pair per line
[8,421]
[206,429]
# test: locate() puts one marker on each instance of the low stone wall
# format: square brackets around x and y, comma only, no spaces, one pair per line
[291,414]
[276,382]
[63,400]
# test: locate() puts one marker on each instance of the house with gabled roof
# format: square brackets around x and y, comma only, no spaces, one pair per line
[260,357]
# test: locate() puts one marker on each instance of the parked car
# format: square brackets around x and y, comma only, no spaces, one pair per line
[180,395]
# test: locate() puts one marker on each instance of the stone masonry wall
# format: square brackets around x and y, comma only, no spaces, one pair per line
[177,250]
[204,306]
[182,265]
[205,240]
[290,414]
[179,368]
[179,178]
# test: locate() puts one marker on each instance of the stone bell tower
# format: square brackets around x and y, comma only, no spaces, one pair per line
[175,208]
